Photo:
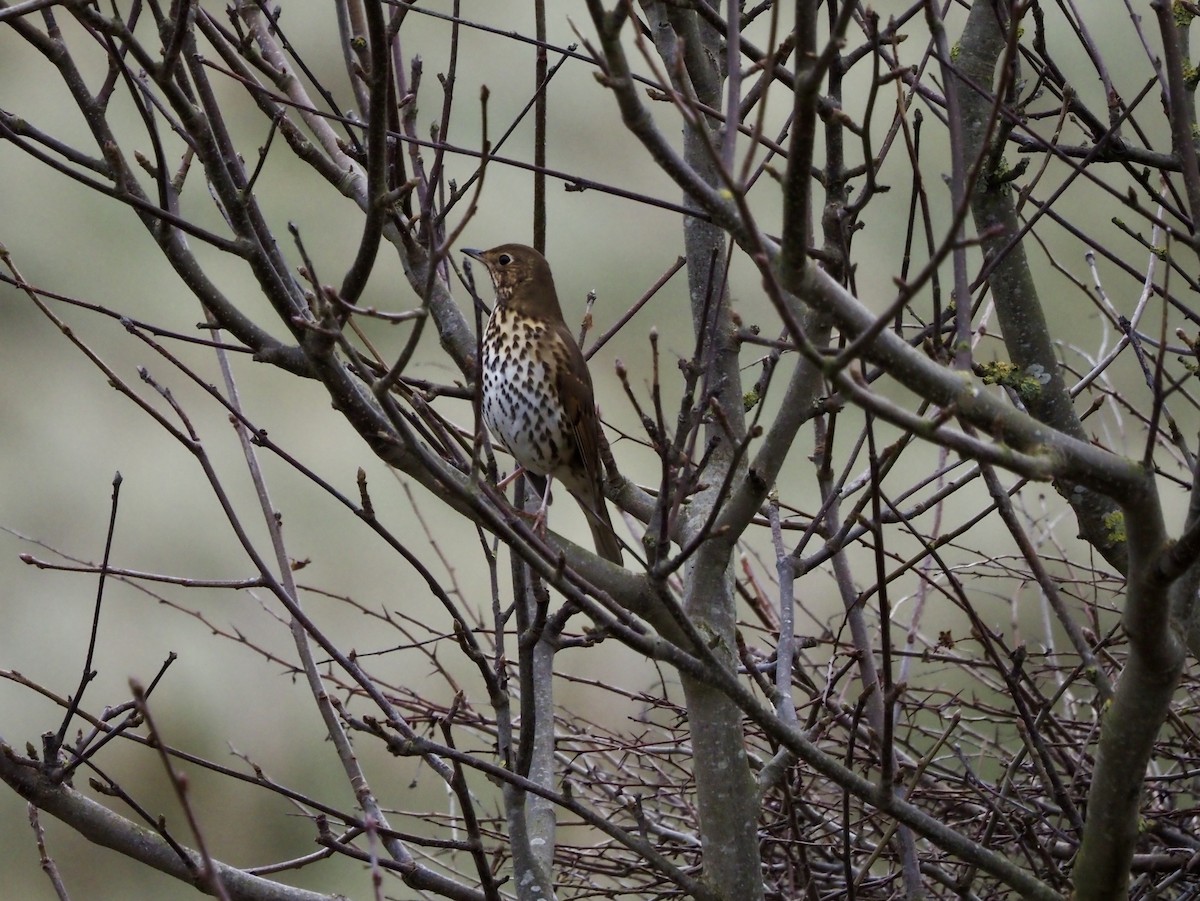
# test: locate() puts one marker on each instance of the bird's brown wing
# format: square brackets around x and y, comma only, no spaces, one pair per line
[586,482]
[579,404]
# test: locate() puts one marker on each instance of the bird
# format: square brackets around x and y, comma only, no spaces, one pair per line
[536,391]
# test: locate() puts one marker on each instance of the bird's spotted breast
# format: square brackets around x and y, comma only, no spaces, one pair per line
[520,396]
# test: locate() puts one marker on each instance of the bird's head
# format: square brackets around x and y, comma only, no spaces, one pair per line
[522,279]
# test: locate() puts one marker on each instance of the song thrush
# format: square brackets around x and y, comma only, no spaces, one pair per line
[537,393]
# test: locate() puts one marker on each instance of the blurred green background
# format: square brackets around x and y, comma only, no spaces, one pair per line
[64,433]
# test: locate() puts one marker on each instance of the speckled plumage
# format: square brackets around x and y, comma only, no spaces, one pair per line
[536,390]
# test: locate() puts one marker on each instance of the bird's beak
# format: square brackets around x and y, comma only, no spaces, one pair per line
[473,253]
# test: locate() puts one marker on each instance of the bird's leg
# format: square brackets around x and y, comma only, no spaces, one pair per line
[539,519]
[510,478]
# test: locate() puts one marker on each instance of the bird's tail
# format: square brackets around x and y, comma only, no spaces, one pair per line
[604,536]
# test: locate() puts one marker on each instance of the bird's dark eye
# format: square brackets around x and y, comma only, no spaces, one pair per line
[504,259]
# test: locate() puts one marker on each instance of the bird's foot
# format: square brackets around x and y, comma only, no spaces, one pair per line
[539,518]
[539,523]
